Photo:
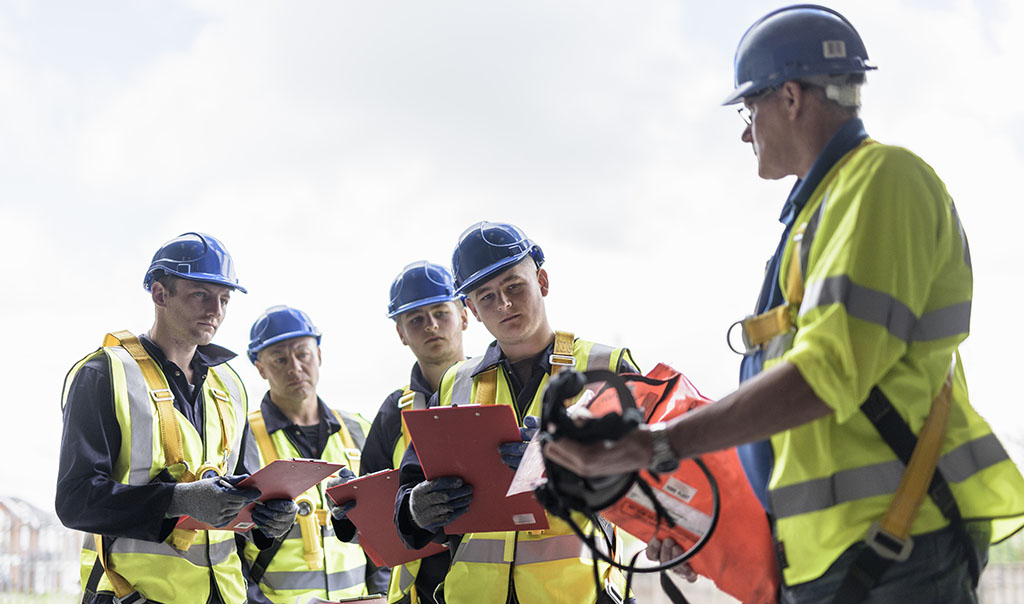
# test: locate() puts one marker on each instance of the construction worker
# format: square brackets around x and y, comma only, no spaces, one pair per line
[851,362]
[293,421]
[498,268]
[429,318]
[154,430]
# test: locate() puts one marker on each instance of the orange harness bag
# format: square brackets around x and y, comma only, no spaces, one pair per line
[739,556]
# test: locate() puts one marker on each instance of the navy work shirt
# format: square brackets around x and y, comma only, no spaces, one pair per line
[758,458]
[88,498]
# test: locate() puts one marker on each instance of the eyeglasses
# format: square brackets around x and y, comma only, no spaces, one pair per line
[748,102]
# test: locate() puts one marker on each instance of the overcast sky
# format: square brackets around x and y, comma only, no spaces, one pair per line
[327,144]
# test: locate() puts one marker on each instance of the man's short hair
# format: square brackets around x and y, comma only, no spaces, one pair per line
[841,92]
[169,282]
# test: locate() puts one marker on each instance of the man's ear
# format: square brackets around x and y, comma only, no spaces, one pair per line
[542,280]
[794,97]
[259,367]
[158,293]
[319,359]
[401,334]
[463,315]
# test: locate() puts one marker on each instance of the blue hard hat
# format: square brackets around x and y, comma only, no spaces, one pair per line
[279,323]
[487,248]
[420,284]
[796,42]
[196,257]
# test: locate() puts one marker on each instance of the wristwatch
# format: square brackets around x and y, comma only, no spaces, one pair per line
[663,459]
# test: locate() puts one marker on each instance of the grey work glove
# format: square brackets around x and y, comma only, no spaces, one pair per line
[214,501]
[275,517]
[512,453]
[340,512]
[435,503]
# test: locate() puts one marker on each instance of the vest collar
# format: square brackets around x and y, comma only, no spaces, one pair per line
[276,420]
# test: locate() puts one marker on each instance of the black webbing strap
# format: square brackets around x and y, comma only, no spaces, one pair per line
[89,591]
[669,587]
[262,561]
[869,565]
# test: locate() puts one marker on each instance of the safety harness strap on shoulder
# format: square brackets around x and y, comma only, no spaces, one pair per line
[410,399]
[159,393]
[259,433]
[889,540]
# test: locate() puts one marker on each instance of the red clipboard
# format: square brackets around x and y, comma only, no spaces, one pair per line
[463,441]
[374,518]
[280,479]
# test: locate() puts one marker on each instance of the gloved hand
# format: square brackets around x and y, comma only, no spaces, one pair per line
[340,512]
[275,517]
[512,453]
[214,500]
[435,503]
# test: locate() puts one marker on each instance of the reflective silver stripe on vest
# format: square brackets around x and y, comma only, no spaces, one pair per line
[419,400]
[89,542]
[882,309]
[481,551]
[880,479]
[600,357]
[492,551]
[405,579]
[563,547]
[779,345]
[282,580]
[141,410]
[219,552]
[462,386]
[227,377]
[354,428]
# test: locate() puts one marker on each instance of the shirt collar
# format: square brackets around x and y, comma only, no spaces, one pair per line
[495,356]
[209,355]
[849,135]
[275,419]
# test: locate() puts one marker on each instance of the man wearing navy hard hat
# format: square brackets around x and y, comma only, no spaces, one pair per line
[499,271]
[293,421]
[429,318]
[851,369]
[155,430]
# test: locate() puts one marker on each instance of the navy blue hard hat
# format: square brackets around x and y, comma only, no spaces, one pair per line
[420,284]
[196,257]
[487,248]
[796,42]
[279,323]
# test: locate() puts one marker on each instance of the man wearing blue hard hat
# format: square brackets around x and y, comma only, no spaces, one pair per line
[429,318]
[499,270]
[308,562]
[881,481]
[154,430]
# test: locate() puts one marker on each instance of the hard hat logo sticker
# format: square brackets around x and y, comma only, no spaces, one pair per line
[834,49]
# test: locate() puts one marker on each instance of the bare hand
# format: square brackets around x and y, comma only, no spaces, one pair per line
[663,551]
[631,453]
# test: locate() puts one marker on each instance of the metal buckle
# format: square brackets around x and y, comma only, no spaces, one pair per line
[161,395]
[562,359]
[889,546]
[749,349]
[353,454]
[220,395]
[132,598]
[406,399]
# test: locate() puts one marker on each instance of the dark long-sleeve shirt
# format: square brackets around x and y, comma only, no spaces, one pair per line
[88,497]
[385,432]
